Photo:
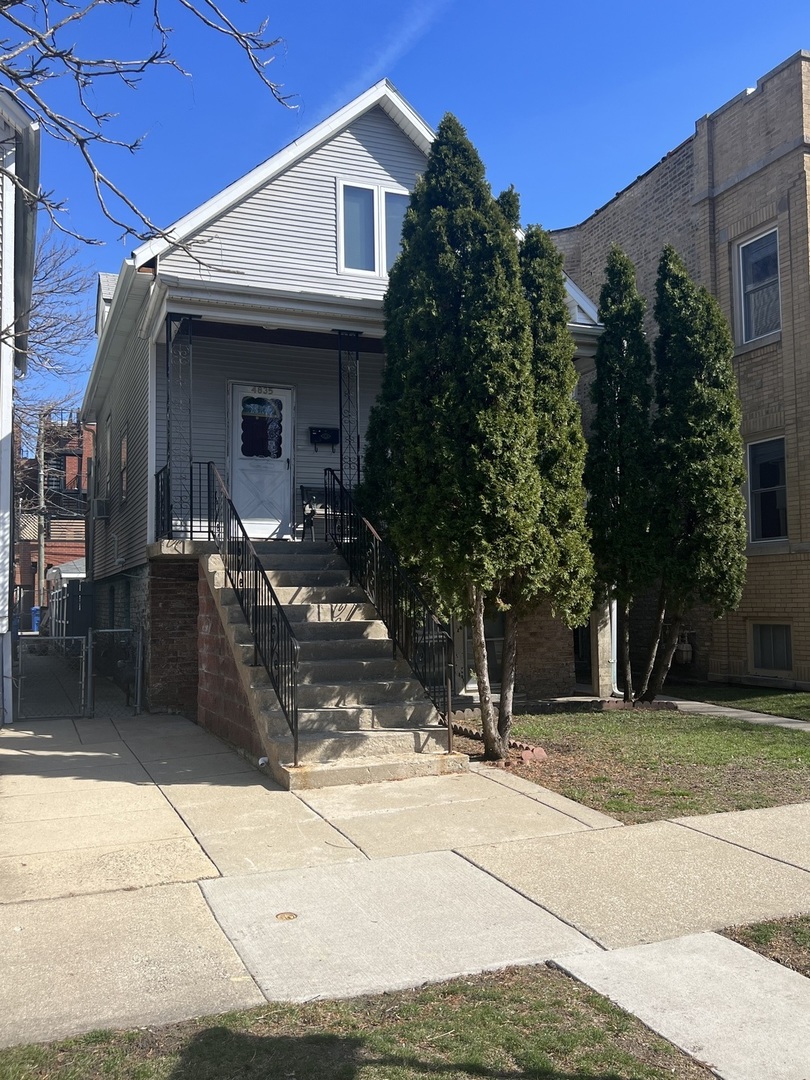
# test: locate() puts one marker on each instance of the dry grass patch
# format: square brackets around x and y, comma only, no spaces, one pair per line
[646,766]
[519,1024]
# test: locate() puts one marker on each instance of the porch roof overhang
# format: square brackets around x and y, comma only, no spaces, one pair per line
[586,337]
[274,309]
[131,291]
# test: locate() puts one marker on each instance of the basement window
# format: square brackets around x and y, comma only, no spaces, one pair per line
[773,650]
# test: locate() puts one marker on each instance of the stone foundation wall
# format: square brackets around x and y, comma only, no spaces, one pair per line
[222,704]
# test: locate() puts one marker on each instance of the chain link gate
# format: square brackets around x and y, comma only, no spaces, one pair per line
[96,675]
[51,677]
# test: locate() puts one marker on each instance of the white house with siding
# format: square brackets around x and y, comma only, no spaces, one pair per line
[19,174]
[250,335]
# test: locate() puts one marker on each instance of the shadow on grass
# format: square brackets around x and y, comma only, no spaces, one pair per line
[218,1052]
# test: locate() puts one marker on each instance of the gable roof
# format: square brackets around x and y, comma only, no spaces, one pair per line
[382,94]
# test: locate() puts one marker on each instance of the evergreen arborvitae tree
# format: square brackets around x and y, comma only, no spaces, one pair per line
[561,571]
[451,457]
[699,514]
[618,471]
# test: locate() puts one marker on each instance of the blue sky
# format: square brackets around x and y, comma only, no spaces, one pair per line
[568,103]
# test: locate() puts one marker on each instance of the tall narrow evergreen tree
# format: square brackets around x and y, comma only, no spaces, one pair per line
[452,446]
[561,572]
[618,472]
[699,514]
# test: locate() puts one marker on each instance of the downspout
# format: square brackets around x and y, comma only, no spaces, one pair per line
[614,636]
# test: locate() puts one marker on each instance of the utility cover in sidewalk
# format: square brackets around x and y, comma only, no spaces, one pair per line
[364,928]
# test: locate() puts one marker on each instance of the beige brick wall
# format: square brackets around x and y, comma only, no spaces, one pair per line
[743,172]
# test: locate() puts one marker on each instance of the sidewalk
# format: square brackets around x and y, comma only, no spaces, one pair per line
[149,874]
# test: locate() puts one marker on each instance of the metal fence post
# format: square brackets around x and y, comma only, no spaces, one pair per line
[138,671]
[89,706]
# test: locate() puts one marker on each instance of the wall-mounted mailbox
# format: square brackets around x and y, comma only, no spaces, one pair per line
[324,436]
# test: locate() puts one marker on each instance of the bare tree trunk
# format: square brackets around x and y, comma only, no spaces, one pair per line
[493,750]
[508,667]
[628,671]
[664,659]
[656,637]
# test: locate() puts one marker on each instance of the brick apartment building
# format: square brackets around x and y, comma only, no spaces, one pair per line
[734,199]
[68,453]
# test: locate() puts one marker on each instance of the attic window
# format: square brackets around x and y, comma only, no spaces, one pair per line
[370,228]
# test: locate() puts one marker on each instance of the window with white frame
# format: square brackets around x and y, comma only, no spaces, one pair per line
[773,649]
[767,490]
[370,227]
[759,286]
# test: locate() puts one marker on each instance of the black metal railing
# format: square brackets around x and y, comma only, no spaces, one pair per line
[275,644]
[416,632]
[182,513]
[163,505]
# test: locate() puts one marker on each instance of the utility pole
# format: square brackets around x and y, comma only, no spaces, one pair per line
[41,509]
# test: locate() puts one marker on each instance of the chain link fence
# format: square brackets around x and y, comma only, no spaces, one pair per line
[96,675]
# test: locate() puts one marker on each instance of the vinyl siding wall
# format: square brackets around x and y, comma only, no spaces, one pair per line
[285,235]
[127,405]
[313,375]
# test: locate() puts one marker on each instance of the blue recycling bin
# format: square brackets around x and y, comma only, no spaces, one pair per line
[35,619]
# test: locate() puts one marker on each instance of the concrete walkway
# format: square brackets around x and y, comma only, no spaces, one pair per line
[149,874]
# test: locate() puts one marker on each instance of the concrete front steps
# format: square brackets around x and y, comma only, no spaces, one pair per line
[363,715]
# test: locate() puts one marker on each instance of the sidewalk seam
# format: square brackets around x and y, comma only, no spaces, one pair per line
[531,899]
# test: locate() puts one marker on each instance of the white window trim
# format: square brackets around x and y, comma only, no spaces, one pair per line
[740,285]
[775,673]
[767,539]
[379,191]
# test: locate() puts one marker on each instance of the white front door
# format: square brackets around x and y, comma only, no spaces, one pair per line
[261,458]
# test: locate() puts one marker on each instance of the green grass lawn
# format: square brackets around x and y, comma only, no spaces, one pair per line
[644,766]
[792,703]
[512,1025]
[787,941]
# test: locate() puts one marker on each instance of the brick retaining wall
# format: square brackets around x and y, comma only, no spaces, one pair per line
[222,704]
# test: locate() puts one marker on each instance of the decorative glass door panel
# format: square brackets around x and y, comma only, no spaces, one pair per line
[261,458]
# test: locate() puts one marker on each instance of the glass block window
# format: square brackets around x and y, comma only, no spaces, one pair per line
[768,491]
[759,269]
[773,650]
[262,427]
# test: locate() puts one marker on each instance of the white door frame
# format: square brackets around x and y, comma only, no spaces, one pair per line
[261,387]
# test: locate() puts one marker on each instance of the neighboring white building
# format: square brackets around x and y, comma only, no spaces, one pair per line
[19,162]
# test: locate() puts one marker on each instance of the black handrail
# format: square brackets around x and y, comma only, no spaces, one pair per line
[186,515]
[163,510]
[274,643]
[420,637]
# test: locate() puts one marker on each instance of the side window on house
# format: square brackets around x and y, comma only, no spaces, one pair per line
[759,288]
[107,457]
[123,465]
[395,207]
[767,488]
[370,222]
[773,649]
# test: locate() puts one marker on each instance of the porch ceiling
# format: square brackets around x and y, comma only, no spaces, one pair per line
[223,331]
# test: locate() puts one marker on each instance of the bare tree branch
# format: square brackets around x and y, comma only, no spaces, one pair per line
[37,49]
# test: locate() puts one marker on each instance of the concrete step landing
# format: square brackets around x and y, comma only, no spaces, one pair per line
[363,715]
